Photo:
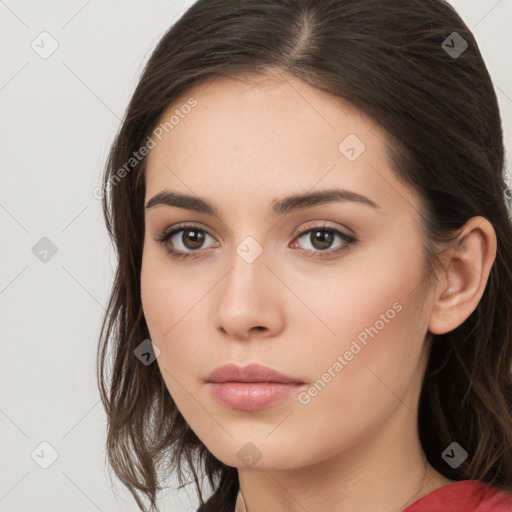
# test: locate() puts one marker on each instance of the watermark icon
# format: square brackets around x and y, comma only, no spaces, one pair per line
[149,144]
[249,454]
[147,352]
[249,249]
[44,455]
[342,360]
[454,45]
[44,45]
[351,147]
[454,455]
[44,250]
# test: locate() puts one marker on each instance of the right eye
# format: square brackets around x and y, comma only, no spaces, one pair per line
[184,240]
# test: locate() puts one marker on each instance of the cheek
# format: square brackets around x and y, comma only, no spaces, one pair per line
[366,297]
[375,353]
[370,324]
[165,295]
[170,301]
[351,397]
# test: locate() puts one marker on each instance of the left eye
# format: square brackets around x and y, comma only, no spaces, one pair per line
[322,238]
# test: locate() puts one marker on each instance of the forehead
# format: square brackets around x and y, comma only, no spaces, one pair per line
[257,137]
[236,115]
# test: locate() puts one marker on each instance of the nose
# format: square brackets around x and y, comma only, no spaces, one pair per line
[249,300]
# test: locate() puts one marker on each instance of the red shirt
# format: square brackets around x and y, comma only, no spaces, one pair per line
[464,496]
[461,496]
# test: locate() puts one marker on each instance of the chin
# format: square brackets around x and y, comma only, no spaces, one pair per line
[244,453]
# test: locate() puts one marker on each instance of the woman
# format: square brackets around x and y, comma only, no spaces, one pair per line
[313,300]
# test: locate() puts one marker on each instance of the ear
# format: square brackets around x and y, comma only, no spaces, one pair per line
[464,277]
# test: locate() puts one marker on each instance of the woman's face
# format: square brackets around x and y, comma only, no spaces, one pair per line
[347,319]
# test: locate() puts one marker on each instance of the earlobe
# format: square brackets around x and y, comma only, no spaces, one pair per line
[464,277]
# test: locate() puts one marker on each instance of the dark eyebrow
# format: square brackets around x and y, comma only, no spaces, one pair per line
[301,201]
[283,206]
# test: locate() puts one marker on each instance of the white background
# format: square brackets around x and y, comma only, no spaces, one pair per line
[58,118]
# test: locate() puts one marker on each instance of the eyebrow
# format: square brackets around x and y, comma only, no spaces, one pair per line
[281,207]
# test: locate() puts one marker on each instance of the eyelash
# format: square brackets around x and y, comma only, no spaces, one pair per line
[348,239]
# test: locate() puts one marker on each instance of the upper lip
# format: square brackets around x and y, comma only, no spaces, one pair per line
[250,373]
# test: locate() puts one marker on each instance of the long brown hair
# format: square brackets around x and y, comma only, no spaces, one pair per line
[394,61]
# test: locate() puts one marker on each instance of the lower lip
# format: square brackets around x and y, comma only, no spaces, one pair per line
[251,396]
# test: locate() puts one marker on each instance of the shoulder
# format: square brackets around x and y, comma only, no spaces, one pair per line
[464,496]
[494,499]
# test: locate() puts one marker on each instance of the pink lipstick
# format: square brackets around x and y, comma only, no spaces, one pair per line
[251,387]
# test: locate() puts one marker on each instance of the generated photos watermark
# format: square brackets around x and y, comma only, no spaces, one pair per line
[343,360]
[137,156]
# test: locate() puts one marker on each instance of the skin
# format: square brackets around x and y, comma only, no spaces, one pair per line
[355,445]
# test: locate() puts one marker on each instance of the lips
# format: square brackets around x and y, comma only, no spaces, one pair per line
[251,387]
[250,373]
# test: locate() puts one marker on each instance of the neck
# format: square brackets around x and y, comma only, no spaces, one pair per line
[386,474]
